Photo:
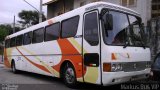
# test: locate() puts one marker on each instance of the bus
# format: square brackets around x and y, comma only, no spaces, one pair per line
[99,43]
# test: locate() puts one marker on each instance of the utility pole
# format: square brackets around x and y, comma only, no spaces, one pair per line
[14,24]
[40,12]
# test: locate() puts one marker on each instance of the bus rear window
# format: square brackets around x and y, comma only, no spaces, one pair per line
[7,43]
[13,42]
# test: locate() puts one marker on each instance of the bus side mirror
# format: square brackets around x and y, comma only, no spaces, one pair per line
[108,22]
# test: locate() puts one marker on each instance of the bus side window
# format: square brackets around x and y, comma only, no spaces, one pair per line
[38,35]
[27,38]
[13,42]
[52,32]
[19,40]
[69,27]
[7,43]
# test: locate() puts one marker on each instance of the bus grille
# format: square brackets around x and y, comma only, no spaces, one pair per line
[134,66]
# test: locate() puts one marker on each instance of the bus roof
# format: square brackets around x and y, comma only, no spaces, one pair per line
[77,11]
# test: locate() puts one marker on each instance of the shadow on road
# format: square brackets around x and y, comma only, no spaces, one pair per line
[51,82]
[80,86]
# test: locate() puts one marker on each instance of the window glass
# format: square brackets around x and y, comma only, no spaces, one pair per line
[69,27]
[13,42]
[7,43]
[52,32]
[126,30]
[91,29]
[131,2]
[124,2]
[19,40]
[38,35]
[117,35]
[135,31]
[27,38]
[128,3]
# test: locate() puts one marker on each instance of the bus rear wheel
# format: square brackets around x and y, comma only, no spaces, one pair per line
[13,66]
[69,75]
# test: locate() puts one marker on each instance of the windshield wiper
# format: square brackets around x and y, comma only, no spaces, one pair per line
[126,44]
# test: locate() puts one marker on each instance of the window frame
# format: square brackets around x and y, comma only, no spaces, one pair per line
[98,22]
[49,26]
[61,31]
[34,34]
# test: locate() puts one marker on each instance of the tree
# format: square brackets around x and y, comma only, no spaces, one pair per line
[29,18]
[4,31]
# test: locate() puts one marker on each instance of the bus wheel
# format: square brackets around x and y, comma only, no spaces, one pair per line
[69,75]
[13,66]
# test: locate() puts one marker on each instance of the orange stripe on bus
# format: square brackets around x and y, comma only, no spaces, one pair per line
[67,48]
[50,22]
[6,61]
[37,65]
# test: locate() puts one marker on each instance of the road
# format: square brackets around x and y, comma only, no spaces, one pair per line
[30,81]
[0,58]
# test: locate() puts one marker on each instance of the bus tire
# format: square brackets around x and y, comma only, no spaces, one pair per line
[69,75]
[13,67]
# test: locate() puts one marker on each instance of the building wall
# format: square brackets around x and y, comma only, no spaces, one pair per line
[58,8]
[142,6]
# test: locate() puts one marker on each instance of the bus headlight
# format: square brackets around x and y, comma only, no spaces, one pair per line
[112,67]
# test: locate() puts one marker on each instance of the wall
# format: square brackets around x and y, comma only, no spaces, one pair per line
[58,8]
[142,6]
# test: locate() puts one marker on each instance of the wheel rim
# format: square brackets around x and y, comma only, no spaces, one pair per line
[69,75]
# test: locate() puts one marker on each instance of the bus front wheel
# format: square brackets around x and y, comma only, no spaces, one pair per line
[69,75]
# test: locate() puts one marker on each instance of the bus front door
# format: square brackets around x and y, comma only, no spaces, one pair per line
[91,48]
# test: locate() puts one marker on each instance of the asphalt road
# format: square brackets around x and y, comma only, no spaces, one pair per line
[0,58]
[30,81]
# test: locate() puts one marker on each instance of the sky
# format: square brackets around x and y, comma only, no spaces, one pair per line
[9,8]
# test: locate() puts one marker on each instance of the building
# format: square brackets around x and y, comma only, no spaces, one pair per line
[155,8]
[57,7]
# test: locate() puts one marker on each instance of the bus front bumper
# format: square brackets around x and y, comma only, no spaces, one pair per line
[111,78]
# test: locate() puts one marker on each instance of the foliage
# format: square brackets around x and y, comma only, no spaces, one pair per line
[29,18]
[4,31]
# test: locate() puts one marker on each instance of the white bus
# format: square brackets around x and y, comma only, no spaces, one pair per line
[99,43]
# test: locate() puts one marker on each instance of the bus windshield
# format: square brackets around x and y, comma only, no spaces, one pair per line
[126,29]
